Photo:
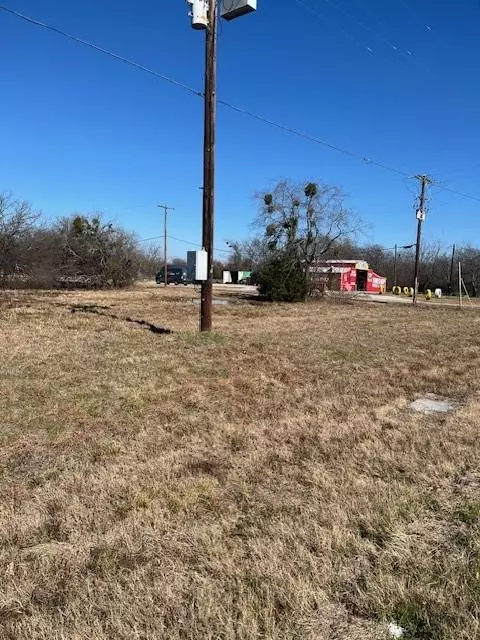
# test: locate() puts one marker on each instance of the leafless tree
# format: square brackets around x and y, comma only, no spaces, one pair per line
[309,216]
[470,258]
[247,254]
[218,268]
[17,220]
[149,260]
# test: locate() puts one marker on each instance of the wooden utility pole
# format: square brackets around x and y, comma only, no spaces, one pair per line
[460,301]
[204,14]
[395,268]
[450,279]
[209,162]
[165,258]
[424,181]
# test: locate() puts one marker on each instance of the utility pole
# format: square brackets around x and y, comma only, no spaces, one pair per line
[450,279]
[460,301]
[165,258]
[424,181]
[204,14]
[209,162]
[395,268]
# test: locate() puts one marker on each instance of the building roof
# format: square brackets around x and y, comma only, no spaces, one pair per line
[342,261]
[351,264]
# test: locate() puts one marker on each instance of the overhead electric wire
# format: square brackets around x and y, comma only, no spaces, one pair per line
[458,193]
[250,114]
[392,45]
[192,244]
[323,18]
[372,14]
[149,239]
[116,56]
[401,50]
[414,13]
[466,174]
[411,56]
[200,94]
[364,26]
[307,136]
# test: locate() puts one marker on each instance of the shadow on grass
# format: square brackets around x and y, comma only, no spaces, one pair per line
[99,311]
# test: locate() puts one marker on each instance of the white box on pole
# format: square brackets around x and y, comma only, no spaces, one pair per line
[231,9]
[197,266]
[201,271]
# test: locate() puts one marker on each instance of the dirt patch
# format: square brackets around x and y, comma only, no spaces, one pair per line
[432,404]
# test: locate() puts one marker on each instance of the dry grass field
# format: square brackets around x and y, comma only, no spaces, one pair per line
[268,481]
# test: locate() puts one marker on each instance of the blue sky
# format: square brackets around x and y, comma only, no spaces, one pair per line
[393,80]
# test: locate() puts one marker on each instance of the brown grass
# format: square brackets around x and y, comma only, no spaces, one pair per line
[266,481]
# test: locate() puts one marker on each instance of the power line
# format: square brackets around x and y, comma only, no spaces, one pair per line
[246,112]
[465,174]
[319,141]
[200,94]
[415,13]
[383,25]
[195,244]
[366,27]
[192,244]
[405,52]
[148,239]
[400,50]
[322,18]
[456,192]
[361,24]
[111,54]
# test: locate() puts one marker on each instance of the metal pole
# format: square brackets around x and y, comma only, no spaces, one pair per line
[395,268]
[165,257]
[209,163]
[420,217]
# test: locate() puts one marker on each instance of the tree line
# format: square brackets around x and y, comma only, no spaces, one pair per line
[437,268]
[71,252]
[300,223]
[297,224]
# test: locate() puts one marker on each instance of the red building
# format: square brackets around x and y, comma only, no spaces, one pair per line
[347,275]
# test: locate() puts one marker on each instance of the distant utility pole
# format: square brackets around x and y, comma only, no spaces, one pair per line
[165,259]
[395,268]
[204,15]
[460,301]
[450,279]
[424,181]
